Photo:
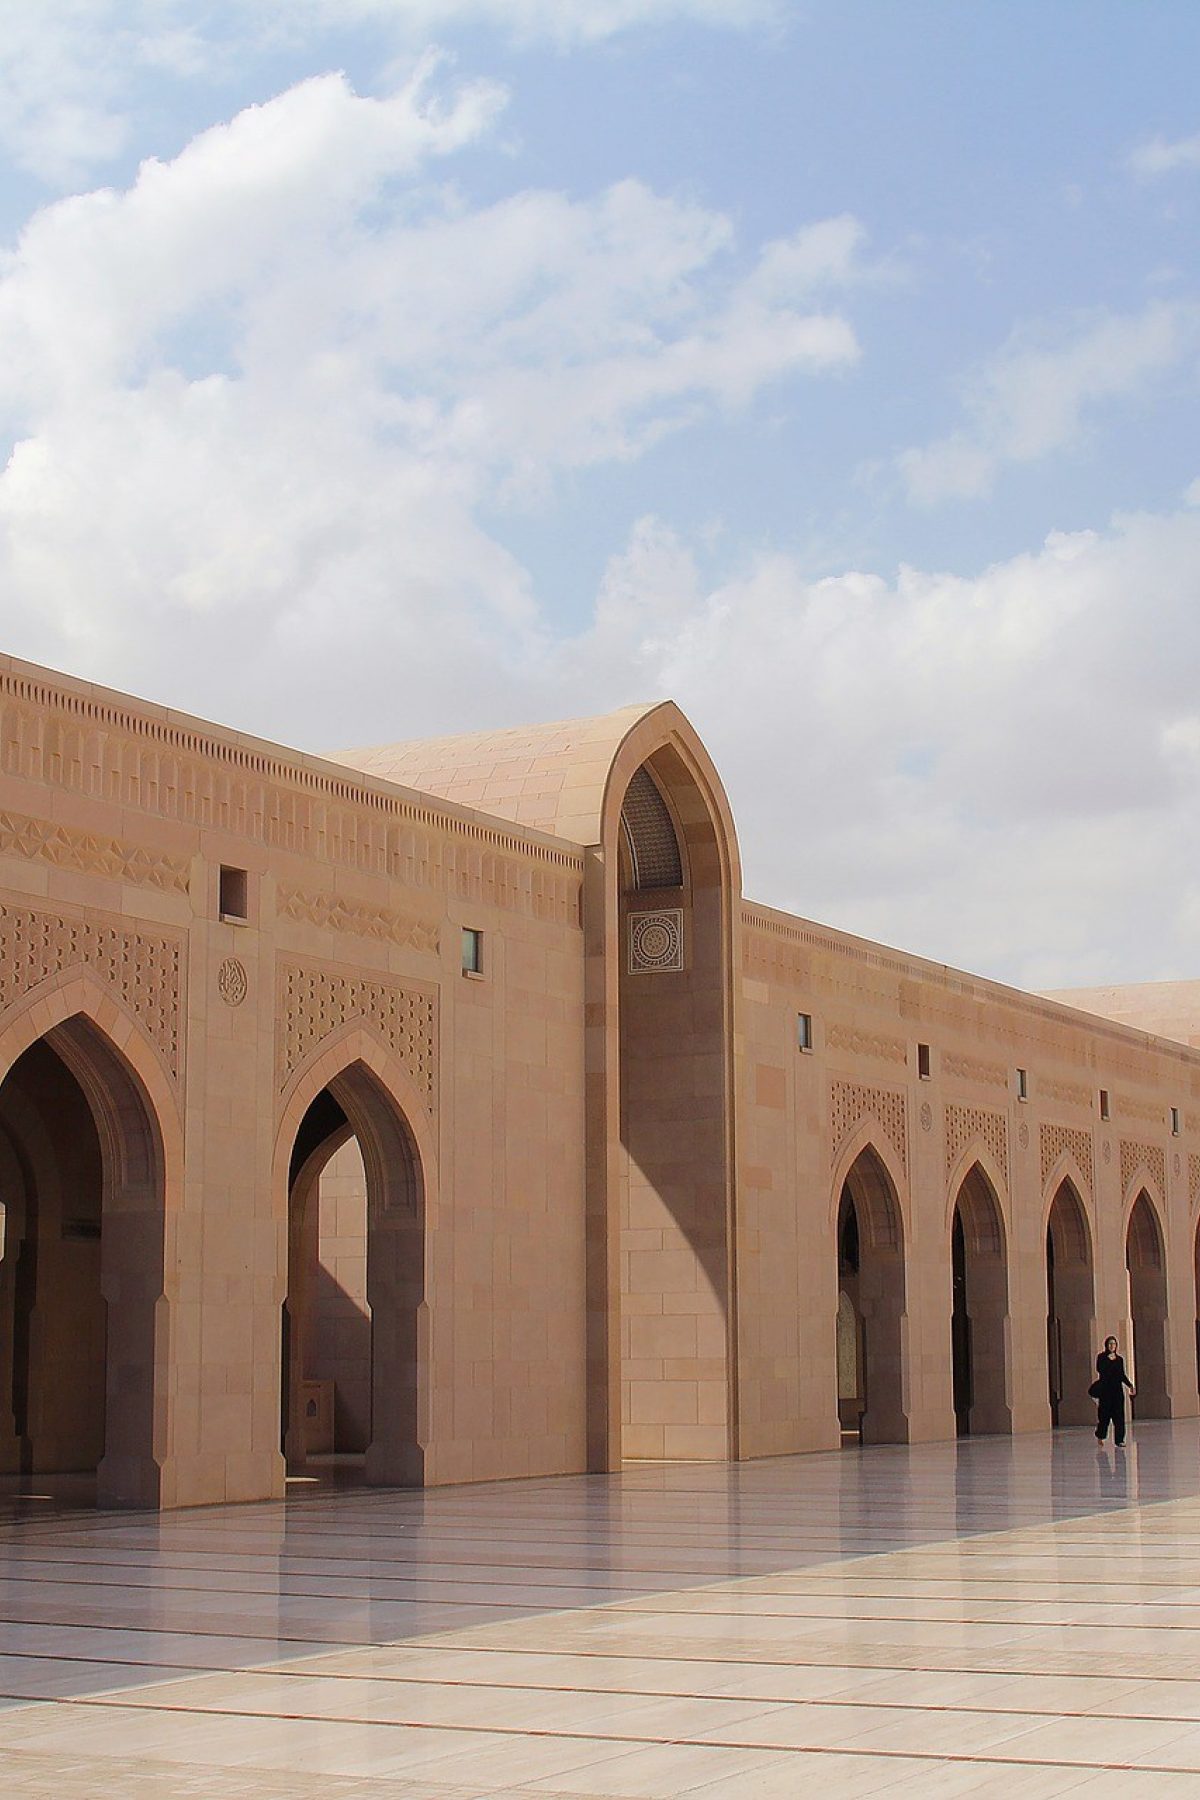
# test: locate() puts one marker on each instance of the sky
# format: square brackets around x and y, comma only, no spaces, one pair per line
[379,369]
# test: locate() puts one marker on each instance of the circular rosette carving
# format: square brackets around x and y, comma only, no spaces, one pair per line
[655,941]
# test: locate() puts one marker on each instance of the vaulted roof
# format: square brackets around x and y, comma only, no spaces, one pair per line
[549,777]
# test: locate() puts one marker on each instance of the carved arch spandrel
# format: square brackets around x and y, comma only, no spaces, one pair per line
[313,1003]
[977,1156]
[140,967]
[1143,1165]
[850,1103]
[1060,1143]
[979,1125]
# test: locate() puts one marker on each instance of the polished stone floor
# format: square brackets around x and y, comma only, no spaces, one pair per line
[1016,1617]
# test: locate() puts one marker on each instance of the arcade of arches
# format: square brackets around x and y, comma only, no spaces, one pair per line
[444,1112]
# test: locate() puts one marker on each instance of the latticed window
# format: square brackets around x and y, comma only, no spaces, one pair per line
[650,835]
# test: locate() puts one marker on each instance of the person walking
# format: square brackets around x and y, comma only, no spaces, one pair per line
[1108,1391]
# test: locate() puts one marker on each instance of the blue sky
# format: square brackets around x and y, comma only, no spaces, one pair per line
[378,368]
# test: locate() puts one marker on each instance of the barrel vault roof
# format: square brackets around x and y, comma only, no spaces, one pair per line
[548,777]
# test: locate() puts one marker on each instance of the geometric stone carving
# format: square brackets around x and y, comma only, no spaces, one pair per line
[314,1002]
[1133,1156]
[336,914]
[142,967]
[849,1103]
[655,941]
[963,1123]
[1058,1140]
[1193,1179]
[91,853]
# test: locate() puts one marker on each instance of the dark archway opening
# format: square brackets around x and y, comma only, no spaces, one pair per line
[81,1272]
[871,1302]
[1145,1261]
[349,1399]
[1070,1309]
[979,1310]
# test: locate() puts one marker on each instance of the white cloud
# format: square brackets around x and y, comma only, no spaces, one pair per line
[261,400]
[1161,156]
[71,70]
[1034,399]
[1002,772]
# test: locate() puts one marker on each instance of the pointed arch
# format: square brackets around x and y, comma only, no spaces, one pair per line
[979,1320]
[1066,1174]
[978,1156]
[133,1105]
[872,1256]
[1146,1273]
[667,873]
[369,1095]
[1067,1236]
[869,1138]
[1064,1202]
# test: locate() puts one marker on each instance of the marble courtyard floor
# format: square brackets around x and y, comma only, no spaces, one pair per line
[1001,1616]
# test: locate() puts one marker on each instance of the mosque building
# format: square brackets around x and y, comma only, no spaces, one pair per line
[446,1108]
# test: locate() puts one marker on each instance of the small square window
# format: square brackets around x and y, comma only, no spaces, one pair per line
[1105,1111]
[1022,1084]
[804,1032]
[472,951]
[923,1061]
[234,891]
[1174,1121]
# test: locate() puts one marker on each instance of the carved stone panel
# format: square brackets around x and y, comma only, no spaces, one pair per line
[849,1104]
[314,1002]
[655,941]
[142,967]
[1060,1140]
[1152,1157]
[966,1123]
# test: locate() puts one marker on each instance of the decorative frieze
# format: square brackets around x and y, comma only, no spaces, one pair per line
[1065,1093]
[332,913]
[1066,1140]
[850,1103]
[91,853]
[866,1043]
[314,1002]
[168,768]
[1124,1106]
[974,1069]
[965,1124]
[142,967]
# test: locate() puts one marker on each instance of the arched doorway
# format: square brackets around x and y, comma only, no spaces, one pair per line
[1146,1263]
[350,1361]
[979,1313]
[674,1118]
[1070,1308]
[871,1302]
[81,1276]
